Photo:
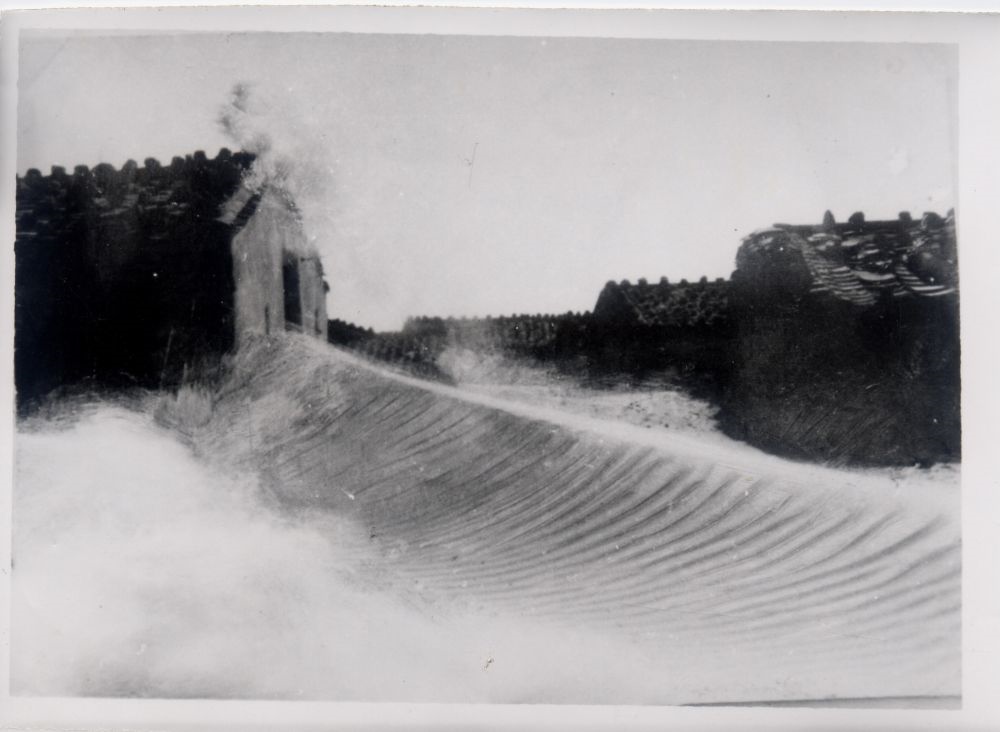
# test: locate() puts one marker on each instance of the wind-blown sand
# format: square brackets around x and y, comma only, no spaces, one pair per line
[336,531]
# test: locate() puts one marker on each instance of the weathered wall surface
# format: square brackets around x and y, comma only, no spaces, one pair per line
[847,342]
[123,277]
[701,305]
[133,277]
[259,304]
[312,295]
[279,277]
[683,328]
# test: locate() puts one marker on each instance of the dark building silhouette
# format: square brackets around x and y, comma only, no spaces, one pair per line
[847,341]
[836,341]
[139,276]
[684,327]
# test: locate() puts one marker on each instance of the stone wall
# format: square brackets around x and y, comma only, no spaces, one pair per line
[846,346]
[542,335]
[832,342]
[122,277]
[342,333]
[259,302]
[143,275]
[701,305]
[312,295]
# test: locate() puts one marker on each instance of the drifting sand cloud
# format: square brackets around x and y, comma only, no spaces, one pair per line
[142,572]
[409,541]
[297,156]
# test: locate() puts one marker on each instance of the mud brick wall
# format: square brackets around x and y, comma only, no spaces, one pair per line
[124,277]
[847,342]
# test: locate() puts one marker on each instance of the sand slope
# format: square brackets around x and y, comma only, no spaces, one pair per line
[737,575]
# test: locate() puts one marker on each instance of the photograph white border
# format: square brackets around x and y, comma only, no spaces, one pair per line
[978,39]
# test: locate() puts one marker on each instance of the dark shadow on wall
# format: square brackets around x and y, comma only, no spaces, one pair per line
[290,280]
[122,277]
[847,342]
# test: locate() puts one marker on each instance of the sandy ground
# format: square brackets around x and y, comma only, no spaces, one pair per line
[667,410]
[664,409]
[374,536]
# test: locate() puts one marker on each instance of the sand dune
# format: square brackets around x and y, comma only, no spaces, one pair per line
[318,528]
[735,575]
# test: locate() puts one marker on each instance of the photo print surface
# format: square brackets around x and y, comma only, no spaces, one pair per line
[441,368]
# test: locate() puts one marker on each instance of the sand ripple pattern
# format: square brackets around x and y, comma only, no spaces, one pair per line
[766,579]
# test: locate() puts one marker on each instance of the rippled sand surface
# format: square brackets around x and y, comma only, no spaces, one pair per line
[480,550]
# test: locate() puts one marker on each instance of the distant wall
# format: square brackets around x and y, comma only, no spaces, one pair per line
[539,335]
[683,329]
[830,342]
[701,305]
[342,333]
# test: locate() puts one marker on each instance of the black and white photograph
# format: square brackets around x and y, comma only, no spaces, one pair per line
[493,368]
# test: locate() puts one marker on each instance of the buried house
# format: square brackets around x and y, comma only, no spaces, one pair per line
[836,342]
[144,275]
[847,341]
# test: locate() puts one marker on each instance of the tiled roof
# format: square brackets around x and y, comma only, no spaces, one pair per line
[859,261]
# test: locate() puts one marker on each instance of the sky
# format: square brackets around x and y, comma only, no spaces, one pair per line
[453,175]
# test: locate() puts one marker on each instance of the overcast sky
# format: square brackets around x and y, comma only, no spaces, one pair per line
[469,175]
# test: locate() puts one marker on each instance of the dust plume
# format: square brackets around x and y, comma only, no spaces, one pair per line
[296,143]
[141,571]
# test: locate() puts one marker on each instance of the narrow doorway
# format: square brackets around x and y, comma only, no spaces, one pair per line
[290,278]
